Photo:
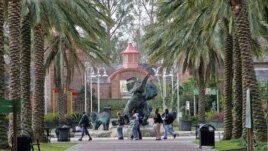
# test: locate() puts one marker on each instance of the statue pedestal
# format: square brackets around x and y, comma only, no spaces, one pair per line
[146,131]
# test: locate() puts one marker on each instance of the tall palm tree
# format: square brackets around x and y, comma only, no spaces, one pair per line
[14,47]
[238,97]
[25,75]
[240,14]
[187,47]
[62,17]
[228,74]
[66,40]
[39,74]
[3,134]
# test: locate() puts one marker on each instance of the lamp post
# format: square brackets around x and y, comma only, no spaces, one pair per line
[164,87]
[86,69]
[178,96]
[89,74]
[104,74]
[164,83]
[157,74]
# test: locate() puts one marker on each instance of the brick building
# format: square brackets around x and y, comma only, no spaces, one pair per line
[110,87]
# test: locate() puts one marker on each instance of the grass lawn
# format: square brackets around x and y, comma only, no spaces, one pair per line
[228,145]
[54,146]
[224,145]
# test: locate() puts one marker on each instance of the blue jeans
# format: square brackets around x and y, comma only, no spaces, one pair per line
[120,132]
[168,129]
[84,131]
[134,129]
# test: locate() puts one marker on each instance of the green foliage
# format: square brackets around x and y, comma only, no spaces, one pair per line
[266,115]
[214,116]
[193,119]
[225,145]
[115,105]
[263,89]
[156,103]
[73,117]
[228,145]
[51,117]
[186,94]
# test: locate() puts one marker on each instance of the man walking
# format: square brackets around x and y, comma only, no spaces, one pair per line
[167,121]
[121,122]
[84,122]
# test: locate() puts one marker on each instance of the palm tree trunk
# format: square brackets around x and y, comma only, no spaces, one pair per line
[14,48]
[240,12]
[238,97]
[38,102]
[228,76]
[3,128]
[61,105]
[202,94]
[26,113]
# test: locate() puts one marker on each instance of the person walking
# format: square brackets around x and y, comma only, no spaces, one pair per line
[134,123]
[167,121]
[157,124]
[84,122]
[121,122]
[139,118]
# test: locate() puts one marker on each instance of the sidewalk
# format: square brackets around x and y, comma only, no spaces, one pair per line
[181,143]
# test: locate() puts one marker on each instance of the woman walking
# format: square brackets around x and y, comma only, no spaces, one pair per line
[157,124]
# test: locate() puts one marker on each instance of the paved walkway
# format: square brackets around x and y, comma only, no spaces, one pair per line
[181,143]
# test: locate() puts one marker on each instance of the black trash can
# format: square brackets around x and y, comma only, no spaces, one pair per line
[24,143]
[206,135]
[63,134]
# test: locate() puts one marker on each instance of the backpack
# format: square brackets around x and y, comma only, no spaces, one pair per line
[121,121]
[168,118]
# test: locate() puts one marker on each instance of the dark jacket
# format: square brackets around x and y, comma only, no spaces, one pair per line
[120,121]
[167,118]
[157,118]
[84,121]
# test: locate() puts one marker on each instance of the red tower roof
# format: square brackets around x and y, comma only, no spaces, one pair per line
[130,57]
[130,49]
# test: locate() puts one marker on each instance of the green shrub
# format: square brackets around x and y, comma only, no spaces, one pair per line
[75,117]
[51,117]
[115,105]
[214,116]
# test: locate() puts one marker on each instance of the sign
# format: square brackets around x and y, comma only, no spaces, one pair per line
[187,105]
[248,110]
[6,106]
[208,91]
[123,89]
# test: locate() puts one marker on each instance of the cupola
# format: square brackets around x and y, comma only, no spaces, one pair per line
[130,57]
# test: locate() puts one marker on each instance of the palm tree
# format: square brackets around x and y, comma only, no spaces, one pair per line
[39,74]
[25,54]
[240,14]
[238,97]
[228,87]
[14,47]
[3,134]
[63,17]
[187,47]
[65,42]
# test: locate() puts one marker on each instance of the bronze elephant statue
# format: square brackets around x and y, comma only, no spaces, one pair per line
[98,119]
